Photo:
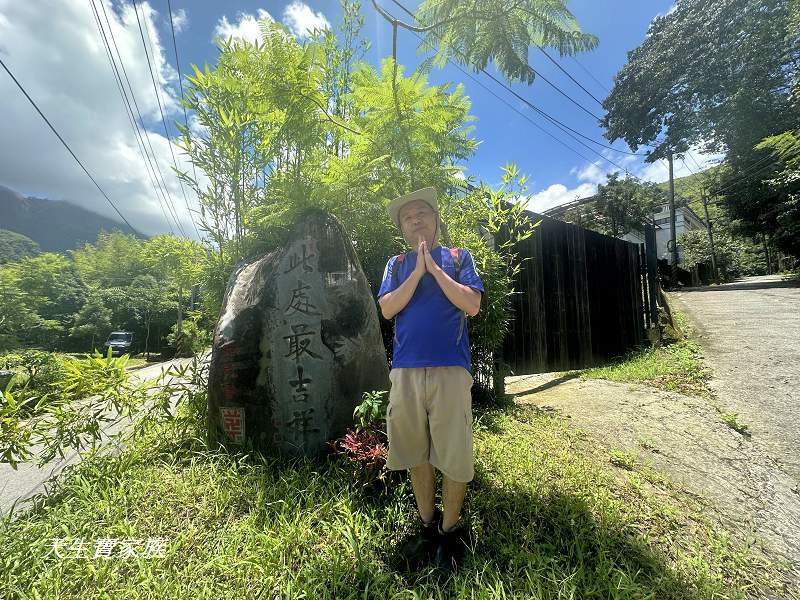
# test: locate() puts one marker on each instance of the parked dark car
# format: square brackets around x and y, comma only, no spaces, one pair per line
[120,342]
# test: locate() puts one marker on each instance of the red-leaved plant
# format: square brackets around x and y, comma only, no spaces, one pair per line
[365,445]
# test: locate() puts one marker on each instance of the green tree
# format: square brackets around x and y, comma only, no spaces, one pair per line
[265,128]
[385,160]
[92,323]
[270,102]
[621,205]
[114,260]
[55,291]
[17,317]
[776,206]
[719,74]
[177,263]
[151,303]
[15,246]
[735,258]
[475,33]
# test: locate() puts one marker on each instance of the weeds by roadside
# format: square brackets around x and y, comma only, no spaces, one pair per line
[675,367]
[732,421]
[550,519]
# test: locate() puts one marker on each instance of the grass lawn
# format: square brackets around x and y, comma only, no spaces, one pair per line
[137,362]
[551,517]
[675,367]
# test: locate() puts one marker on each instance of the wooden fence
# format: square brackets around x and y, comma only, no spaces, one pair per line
[583,298]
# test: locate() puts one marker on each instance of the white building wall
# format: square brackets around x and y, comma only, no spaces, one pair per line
[685,220]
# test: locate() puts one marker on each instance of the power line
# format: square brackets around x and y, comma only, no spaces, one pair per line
[697,164]
[566,128]
[180,77]
[555,121]
[687,166]
[519,112]
[552,60]
[750,172]
[163,120]
[129,114]
[58,135]
[563,93]
[154,164]
[530,68]
[585,70]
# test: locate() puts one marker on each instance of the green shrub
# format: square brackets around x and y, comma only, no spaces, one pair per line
[365,446]
[36,371]
[93,374]
[194,337]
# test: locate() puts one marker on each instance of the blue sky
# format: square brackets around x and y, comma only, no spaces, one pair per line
[67,72]
[506,135]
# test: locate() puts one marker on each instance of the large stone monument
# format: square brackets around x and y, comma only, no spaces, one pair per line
[297,343]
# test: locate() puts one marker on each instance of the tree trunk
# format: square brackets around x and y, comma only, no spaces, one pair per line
[147,340]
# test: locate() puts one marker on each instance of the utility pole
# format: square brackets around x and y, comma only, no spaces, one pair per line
[710,237]
[672,246]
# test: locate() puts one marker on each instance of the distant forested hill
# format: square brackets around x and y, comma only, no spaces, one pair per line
[691,188]
[54,225]
[15,246]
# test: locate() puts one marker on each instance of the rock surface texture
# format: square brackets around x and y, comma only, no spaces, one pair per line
[296,345]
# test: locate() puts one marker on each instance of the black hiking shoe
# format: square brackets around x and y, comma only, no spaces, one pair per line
[450,550]
[417,550]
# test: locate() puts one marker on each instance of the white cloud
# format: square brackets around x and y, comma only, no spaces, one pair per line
[558,194]
[68,75]
[246,27]
[671,10]
[179,20]
[301,20]
[658,172]
[593,174]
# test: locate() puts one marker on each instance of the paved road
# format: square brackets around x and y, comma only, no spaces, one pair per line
[750,331]
[29,480]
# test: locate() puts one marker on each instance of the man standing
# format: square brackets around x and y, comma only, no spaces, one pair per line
[431,290]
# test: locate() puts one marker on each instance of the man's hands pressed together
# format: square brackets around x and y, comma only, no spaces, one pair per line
[463,297]
[422,265]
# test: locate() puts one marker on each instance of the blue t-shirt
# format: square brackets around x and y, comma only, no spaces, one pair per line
[431,331]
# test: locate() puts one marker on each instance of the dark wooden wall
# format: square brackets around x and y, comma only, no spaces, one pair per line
[582,300]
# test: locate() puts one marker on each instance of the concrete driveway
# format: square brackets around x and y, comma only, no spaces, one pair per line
[28,480]
[750,331]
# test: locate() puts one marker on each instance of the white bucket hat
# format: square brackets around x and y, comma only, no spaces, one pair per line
[427,195]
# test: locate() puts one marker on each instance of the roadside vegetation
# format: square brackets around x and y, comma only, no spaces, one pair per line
[551,516]
[674,365]
[71,302]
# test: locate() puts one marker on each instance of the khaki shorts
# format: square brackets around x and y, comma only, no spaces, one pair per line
[429,420]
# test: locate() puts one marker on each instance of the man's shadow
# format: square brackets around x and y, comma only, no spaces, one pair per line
[547,546]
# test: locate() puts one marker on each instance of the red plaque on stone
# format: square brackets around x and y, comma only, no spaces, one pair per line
[233,423]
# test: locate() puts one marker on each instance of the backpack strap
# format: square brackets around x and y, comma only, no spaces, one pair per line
[397,261]
[456,254]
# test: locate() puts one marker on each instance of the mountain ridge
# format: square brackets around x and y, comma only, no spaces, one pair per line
[55,225]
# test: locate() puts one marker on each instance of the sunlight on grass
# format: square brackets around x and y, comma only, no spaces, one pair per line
[549,517]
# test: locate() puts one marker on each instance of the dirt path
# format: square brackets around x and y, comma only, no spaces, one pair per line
[684,437]
[750,331]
